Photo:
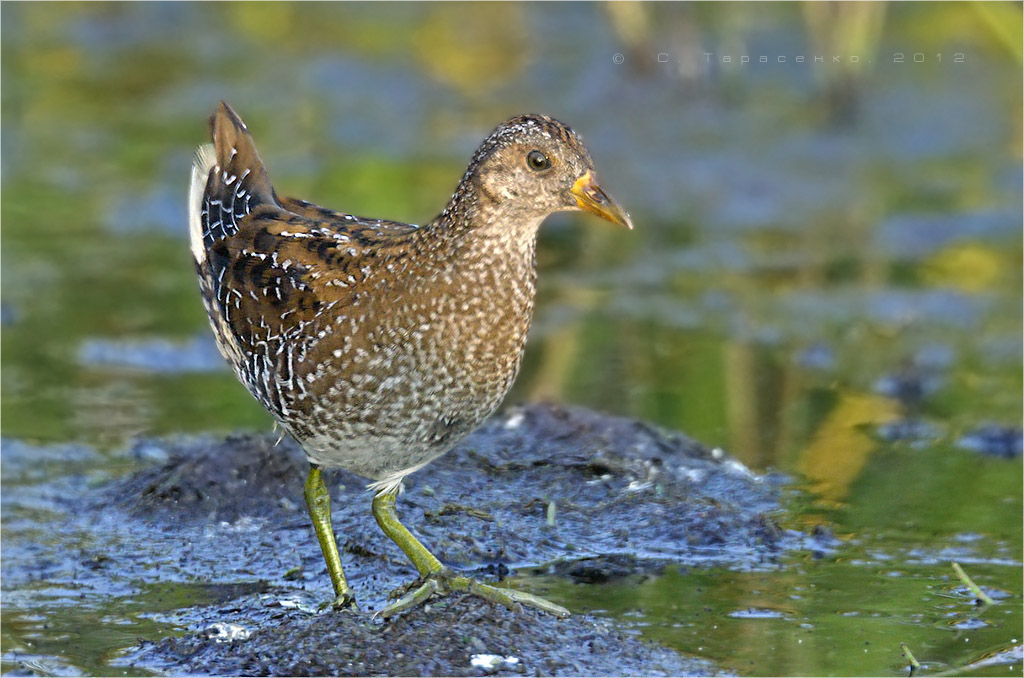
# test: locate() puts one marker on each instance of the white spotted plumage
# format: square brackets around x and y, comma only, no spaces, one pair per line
[377,345]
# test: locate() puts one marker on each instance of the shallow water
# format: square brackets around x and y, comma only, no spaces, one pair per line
[825,278]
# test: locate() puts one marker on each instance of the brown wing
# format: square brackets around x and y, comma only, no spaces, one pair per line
[286,283]
[271,270]
[368,230]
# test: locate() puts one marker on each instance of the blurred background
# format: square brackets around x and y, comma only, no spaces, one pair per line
[825,276]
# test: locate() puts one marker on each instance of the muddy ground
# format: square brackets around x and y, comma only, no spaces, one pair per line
[561,492]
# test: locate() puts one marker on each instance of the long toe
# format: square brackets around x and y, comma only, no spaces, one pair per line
[444,583]
[412,599]
[510,597]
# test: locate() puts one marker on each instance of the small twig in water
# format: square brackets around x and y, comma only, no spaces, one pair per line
[974,588]
[914,664]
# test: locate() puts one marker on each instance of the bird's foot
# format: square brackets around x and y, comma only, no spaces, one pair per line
[343,601]
[401,591]
[443,582]
[436,578]
[412,598]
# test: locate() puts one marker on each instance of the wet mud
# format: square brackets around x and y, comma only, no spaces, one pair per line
[565,495]
[456,636]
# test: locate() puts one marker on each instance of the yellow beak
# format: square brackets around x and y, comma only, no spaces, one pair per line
[592,198]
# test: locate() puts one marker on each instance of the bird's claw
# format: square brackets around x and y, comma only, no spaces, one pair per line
[445,582]
[343,601]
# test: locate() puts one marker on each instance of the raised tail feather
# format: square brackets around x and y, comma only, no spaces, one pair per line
[228,181]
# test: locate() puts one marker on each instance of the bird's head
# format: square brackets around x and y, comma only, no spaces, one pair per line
[533,166]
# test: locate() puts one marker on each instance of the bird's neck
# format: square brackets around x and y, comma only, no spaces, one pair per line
[483,228]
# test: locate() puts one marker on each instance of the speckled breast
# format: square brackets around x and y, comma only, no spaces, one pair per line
[416,362]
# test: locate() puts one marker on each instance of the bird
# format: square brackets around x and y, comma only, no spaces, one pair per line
[379,345]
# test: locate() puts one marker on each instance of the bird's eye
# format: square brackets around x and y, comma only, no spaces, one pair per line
[537,161]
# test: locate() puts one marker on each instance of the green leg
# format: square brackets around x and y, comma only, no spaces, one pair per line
[438,578]
[318,500]
[384,511]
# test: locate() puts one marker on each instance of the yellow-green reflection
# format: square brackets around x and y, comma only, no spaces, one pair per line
[695,320]
[832,617]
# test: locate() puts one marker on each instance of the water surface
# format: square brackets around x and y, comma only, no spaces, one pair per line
[825,278]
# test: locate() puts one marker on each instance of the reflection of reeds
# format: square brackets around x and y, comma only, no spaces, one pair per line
[559,352]
[840,446]
[850,31]
[560,349]
[632,25]
[1003,21]
[473,47]
[673,33]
